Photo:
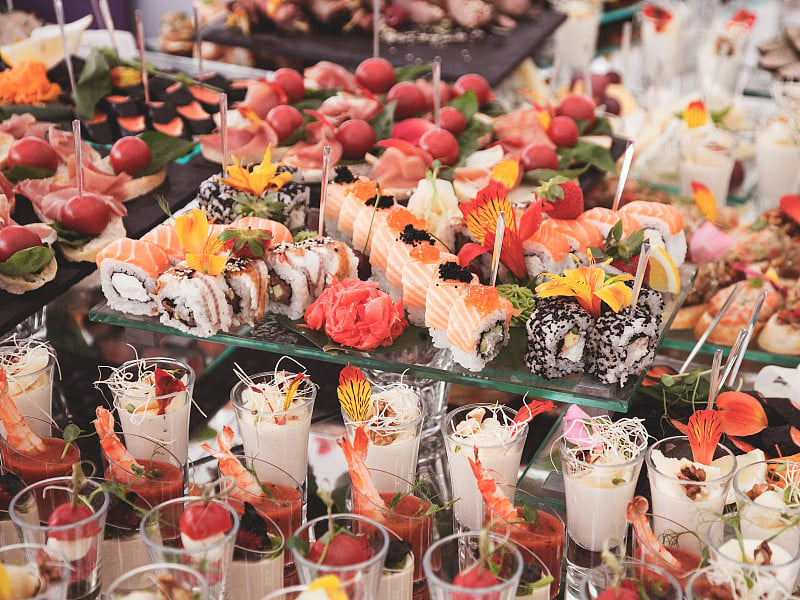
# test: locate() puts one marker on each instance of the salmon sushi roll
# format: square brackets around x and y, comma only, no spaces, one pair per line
[448,284]
[361,191]
[338,187]
[165,237]
[400,254]
[370,217]
[280,233]
[385,237]
[581,236]
[478,326]
[663,226]
[547,251]
[605,218]
[418,275]
[129,270]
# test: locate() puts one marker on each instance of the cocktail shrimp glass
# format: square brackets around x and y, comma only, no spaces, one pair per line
[29,365]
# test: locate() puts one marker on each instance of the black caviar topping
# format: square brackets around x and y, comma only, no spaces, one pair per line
[396,554]
[344,175]
[531,573]
[415,237]
[122,519]
[452,270]
[10,486]
[252,537]
[383,201]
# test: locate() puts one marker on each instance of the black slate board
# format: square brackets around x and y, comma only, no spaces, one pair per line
[143,214]
[494,57]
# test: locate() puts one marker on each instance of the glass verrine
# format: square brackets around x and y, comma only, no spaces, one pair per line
[258,554]
[397,580]
[10,485]
[269,430]
[156,578]
[80,542]
[713,583]
[293,592]
[29,366]
[576,38]
[662,26]
[55,459]
[777,160]
[719,58]
[663,550]
[166,543]
[707,155]
[123,546]
[360,579]
[490,429]
[151,404]
[35,572]
[538,531]
[459,553]
[657,583]
[687,492]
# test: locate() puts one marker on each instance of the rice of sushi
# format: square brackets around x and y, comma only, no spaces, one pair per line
[128,273]
[653,301]
[193,302]
[217,200]
[247,281]
[289,290]
[477,332]
[622,344]
[338,261]
[558,332]
[296,198]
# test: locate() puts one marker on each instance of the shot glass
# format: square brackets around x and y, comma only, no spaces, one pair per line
[397,581]
[649,548]
[360,580]
[162,536]
[30,562]
[30,368]
[662,26]
[123,546]
[258,557]
[81,542]
[55,461]
[156,420]
[10,485]
[707,156]
[151,578]
[777,161]
[501,458]
[714,582]
[454,554]
[719,59]
[652,578]
[687,502]
[576,38]
[539,531]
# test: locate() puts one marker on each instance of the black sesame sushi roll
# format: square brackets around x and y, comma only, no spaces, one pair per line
[653,302]
[295,198]
[622,343]
[558,333]
[217,200]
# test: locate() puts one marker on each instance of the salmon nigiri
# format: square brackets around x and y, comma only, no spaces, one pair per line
[418,275]
[605,218]
[449,282]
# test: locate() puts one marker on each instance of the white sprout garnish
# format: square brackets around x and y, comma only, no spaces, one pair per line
[746,584]
[268,397]
[617,441]
[481,430]
[393,406]
[23,358]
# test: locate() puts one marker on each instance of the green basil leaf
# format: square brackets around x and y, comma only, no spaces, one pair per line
[383,122]
[27,261]
[18,173]
[70,238]
[468,140]
[586,152]
[93,85]
[163,149]
[466,103]
[602,126]
[412,72]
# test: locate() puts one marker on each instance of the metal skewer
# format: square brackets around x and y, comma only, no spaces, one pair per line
[737,347]
[376,27]
[437,88]
[711,326]
[142,59]
[623,174]
[749,334]
[198,40]
[499,233]
[223,130]
[59,6]
[76,138]
[714,382]
[323,197]
[105,10]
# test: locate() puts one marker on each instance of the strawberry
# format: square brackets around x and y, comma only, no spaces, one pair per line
[563,198]
[343,550]
[627,590]
[246,242]
[660,16]
[202,521]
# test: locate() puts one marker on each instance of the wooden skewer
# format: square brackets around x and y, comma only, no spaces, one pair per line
[499,233]
[376,28]
[437,88]
[223,130]
[142,58]
[323,198]
[641,269]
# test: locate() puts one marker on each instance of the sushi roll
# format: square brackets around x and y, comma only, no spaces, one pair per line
[165,237]
[622,344]
[99,129]
[280,234]
[338,260]
[605,218]
[663,226]
[360,191]
[400,253]
[295,198]
[128,273]
[478,326]
[218,200]
[193,302]
[337,189]
[448,283]
[558,331]
[547,251]
[386,236]
[371,216]
[418,275]
[580,236]
[653,302]
[247,280]
[291,289]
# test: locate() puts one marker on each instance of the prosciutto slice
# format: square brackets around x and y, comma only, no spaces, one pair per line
[308,154]
[520,128]
[326,75]
[25,124]
[49,198]
[262,97]
[98,180]
[246,142]
[400,168]
[341,107]
[64,145]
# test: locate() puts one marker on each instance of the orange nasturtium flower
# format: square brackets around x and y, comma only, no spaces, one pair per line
[740,414]
[695,114]
[704,432]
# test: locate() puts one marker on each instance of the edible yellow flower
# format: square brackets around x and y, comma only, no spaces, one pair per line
[211,260]
[192,230]
[705,201]
[258,180]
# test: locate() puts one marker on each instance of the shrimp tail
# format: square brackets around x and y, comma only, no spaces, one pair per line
[529,411]
[361,443]
[20,436]
[111,444]
[636,514]
[355,453]
[491,492]
[225,439]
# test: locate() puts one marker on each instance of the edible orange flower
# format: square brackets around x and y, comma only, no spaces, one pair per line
[507,173]
[704,432]
[705,201]
[27,83]
[740,414]
[294,385]
[354,393]
[695,114]
[590,286]
[211,260]
[192,230]
[261,178]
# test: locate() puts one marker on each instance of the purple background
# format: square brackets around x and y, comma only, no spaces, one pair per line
[121,11]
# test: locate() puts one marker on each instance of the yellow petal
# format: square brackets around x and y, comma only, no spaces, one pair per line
[192,230]
[617,295]
[695,114]
[506,172]
[705,201]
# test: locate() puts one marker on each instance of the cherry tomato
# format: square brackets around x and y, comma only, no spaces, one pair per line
[32,151]
[441,144]
[563,131]
[14,238]
[445,93]
[575,106]
[85,214]
[453,120]
[539,156]
[66,514]
[284,119]
[356,137]
[203,520]
[292,83]
[475,577]
[130,155]
[476,83]
[410,100]
[376,74]
[344,550]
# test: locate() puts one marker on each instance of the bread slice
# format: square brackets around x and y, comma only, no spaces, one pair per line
[19,284]
[780,337]
[88,252]
[688,316]
[6,141]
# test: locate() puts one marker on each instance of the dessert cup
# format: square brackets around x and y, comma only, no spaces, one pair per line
[653,579]
[500,452]
[25,564]
[686,501]
[777,161]
[30,369]
[10,485]
[123,546]
[157,420]
[719,59]
[662,43]
[146,579]
[81,542]
[361,580]
[648,549]
[256,572]
[162,536]
[53,462]
[397,582]
[576,38]
[713,583]
[707,156]
[449,556]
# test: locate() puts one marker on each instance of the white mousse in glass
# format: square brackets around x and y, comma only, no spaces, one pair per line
[30,366]
[777,161]
[398,583]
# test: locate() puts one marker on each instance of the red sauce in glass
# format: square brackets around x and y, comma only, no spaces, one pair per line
[162,481]
[44,465]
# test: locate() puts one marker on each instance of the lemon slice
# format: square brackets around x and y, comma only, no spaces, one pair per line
[45,45]
[5,584]
[664,275]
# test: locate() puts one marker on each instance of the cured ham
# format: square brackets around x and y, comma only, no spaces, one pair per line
[262,97]
[246,141]
[342,107]
[49,198]
[308,154]
[400,167]
[62,142]
[19,126]
[96,179]
[326,75]
[520,128]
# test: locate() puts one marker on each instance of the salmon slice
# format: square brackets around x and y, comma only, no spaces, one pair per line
[419,272]
[439,302]
[145,255]
[605,218]
[280,233]
[467,312]
[551,239]
[580,235]
[354,199]
[367,222]
[388,233]
[655,210]
[166,238]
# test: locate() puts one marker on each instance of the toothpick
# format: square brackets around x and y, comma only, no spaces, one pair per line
[714,322]
[623,174]
[437,89]
[223,130]
[76,138]
[109,23]
[641,268]
[142,59]
[59,6]
[714,382]
[376,26]
[737,347]
[198,39]
[323,197]
[499,233]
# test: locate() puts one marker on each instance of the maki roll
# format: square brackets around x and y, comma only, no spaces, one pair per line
[352,201]
[218,200]
[247,280]
[451,280]
[192,301]
[291,290]
[128,273]
[342,181]
[338,261]
[418,275]
[294,199]
[653,302]
[547,251]
[622,343]
[370,217]
[663,226]
[385,236]
[400,254]
[478,326]
[558,331]
[99,129]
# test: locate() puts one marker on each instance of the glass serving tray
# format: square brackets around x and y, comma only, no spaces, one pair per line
[506,373]
[684,340]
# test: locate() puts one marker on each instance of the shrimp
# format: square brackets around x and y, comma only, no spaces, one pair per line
[246,487]
[124,462]
[18,432]
[637,516]
[355,453]
[491,492]
[528,412]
